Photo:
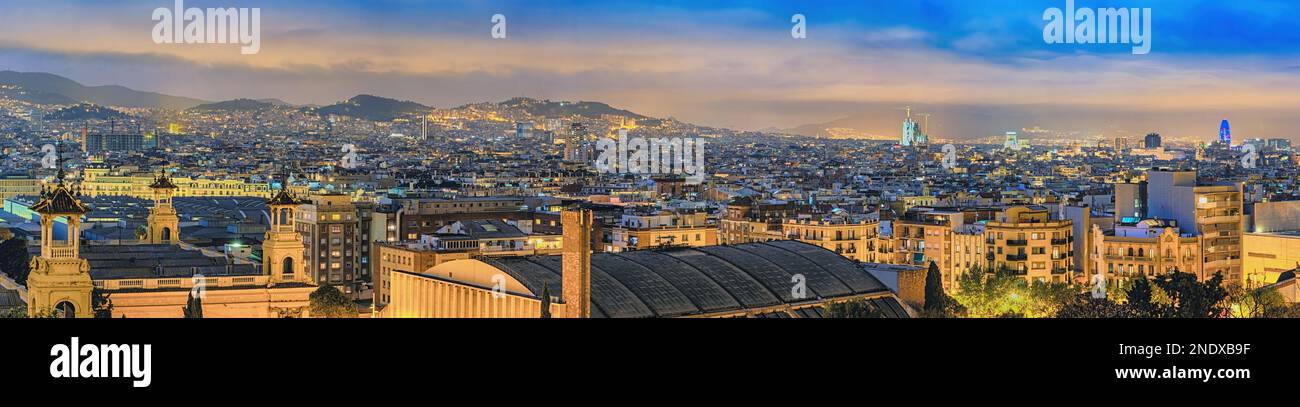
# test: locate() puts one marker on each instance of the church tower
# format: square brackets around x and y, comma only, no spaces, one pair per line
[164,225]
[282,249]
[60,278]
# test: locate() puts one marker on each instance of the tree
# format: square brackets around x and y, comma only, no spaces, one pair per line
[329,302]
[100,304]
[546,300]
[14,259]
[1002,294]
[1263,302]
[1178,295]
[936,302]
[1190,298]
[193,307]
[1084,306]
[859,308]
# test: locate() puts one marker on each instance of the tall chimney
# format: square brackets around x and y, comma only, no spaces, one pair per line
[577,262]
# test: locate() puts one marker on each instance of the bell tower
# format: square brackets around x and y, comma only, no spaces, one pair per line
[282,249]
[164,225]
[60,278]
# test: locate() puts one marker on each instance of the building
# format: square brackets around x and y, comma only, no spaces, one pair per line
[328,225]
[1210,211]
[776,279]
[60,279]
[148,280]
[1225,133]
[747,220]
[1142,249]
[1271,245]
[913,134]
[163,223]
[1026,241]
[12,185]
[640,231]
[409,257]
[951,238]
[424,216]
[854,238]
[98,143]
[1011,141]
[1152,141]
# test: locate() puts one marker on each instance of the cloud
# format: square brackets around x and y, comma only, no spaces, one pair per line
[722,66]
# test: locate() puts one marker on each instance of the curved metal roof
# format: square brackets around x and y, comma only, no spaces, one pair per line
[691,281]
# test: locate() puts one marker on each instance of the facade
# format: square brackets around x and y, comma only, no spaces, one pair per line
[148,280]
[18,185]
[1143,249]
[424,216]
[60,279]
[164,225]
[328,226]
[1211,212]
[283,250]
[654,230]
[409,258]
[1026,241]
[853,239]
[749,280]
[97,143]
[1268,255]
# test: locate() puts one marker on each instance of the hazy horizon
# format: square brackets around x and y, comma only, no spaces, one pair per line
[725,65]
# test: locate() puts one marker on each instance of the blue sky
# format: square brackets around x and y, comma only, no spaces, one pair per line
[728,63]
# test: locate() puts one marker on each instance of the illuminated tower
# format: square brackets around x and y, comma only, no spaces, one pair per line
[282,249]
[164,225]
[60,278]
[1225,133]
[1012,141]
[911,131]
[573,144]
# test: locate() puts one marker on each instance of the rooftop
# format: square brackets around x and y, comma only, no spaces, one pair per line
[704,280]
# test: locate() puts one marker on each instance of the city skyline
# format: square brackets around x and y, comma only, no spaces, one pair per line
[728,65]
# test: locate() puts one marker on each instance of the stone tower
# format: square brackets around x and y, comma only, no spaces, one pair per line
[60,278]
[576,263]
[164,225]
[282,249]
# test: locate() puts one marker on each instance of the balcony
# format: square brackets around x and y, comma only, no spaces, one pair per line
[1018,242]
[1219,219]
[1017,257]
[1058,242]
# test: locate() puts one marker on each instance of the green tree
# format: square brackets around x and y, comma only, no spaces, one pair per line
[14,259]
[936,302]
[1190,298]
[1084,306]
[329,302]
[193,307]
[1003,294]
[853,309]
[1264,302]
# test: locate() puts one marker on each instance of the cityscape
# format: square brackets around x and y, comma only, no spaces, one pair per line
[292,193]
